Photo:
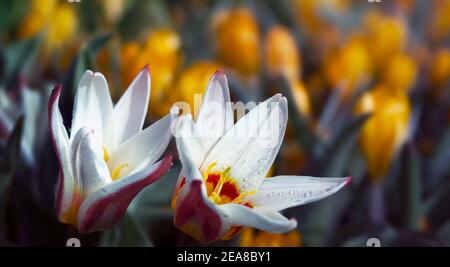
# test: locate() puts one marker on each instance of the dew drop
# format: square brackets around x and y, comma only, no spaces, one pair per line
[292,192]
[240,152]
[271,194]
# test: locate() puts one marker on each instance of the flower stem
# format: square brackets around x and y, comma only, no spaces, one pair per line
[376,209]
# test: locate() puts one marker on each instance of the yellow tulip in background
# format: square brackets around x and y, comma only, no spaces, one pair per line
[348,66]
[401,73]
[254,238]
[237,40]
[162,49]
[386,130]
[57,20]
[113,10]
[193,80]
[282,54]
[440,68]
[301,97]
[387,36]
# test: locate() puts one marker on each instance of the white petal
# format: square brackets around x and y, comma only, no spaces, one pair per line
[144,148]
[216,115]
[193,141]
[282,192]
[104,207]
[90,168]
[186,154]
[264,219]
[93,108]
[130,111]
[60,142]
[250,147]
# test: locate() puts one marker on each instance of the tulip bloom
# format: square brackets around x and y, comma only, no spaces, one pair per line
[222,185]
[386,130]
[108,159]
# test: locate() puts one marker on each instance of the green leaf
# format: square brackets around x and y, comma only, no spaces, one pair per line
[19,56]
[127,233]
[439,160]
[436,207]
[85,60]
[409,188]
[7,168]
[335,154]
[12,154]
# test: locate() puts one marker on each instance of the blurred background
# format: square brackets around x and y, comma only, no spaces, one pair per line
[368,85]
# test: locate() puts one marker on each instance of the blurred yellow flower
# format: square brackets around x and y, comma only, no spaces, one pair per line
[440,67]
[162,52]
[386,130]
[387,36]
[58,20]
[254,238]
[440,20]
[309,12]
[301,97]
[63,24]
[194,80]
[282,54]
[113,10]
[348,66]
[401,73]
[237,40]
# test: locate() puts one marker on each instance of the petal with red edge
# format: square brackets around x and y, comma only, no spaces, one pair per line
[107,206]
[60,141]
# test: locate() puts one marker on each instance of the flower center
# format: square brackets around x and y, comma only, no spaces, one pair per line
[116,173]
[221,188]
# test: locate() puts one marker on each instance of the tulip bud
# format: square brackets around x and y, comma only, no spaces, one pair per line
[193,80]
[386,130]
[401,73]
[113,10]
[387,36]
[62,26]
[237,41]
[349,66]
[301,97]
[440,19]
[254,238]
[282,54]
[37,17]
[440,69]
[162,50]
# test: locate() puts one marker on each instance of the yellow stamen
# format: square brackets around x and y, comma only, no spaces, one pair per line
[116,173]
[105,154]
[214,190]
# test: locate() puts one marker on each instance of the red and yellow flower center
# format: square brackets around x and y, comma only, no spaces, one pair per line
[222,188]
